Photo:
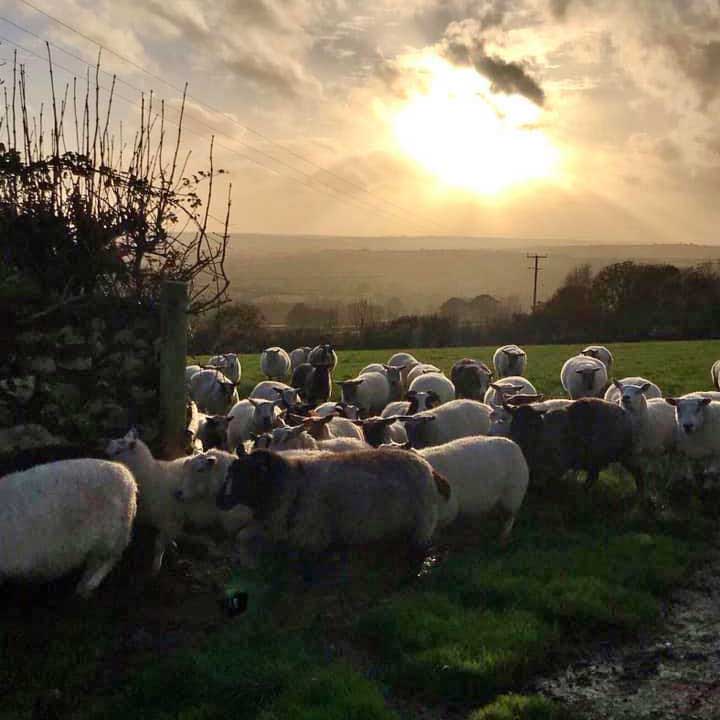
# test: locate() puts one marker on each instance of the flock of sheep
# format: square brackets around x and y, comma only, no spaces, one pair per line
[404,454]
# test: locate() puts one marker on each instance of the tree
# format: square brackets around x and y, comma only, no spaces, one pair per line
[363,313]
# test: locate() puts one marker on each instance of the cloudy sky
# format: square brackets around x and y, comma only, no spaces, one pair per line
[582,120]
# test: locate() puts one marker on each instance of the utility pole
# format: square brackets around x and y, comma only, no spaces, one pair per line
[536,268]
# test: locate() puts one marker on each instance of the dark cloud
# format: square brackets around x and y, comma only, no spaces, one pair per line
[559,8]
[463,46]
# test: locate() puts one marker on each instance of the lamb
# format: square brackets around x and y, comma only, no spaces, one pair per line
[370,392]
[483,474]
[421,369]
[229,365]
[213,393]
[499,392]
[275,363]
[601,353]
[509,360]
[587,435]
[416,402]
[299,356]
[715,374]
[274,390]
[252,416]
[436,383]
[314,383]
[323,355]
[393,376]
[698,424]
[65,515]
[653,421]
[583,377]
[453,420]
[159,482]
[315,501]
[471,379]
[614,392]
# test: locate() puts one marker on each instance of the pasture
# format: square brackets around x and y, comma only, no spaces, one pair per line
[465,640]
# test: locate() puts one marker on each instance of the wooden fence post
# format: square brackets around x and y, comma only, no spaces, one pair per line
[173,354]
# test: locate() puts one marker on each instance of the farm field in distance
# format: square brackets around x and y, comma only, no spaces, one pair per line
[677,366]
[465,641]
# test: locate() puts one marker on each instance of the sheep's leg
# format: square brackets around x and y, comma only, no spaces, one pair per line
[507,529]
[161,542]
[635,469]
[95,572]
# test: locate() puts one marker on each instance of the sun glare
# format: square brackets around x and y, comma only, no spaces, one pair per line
[468,136]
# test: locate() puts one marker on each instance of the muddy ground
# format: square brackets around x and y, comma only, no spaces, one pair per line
[671,673]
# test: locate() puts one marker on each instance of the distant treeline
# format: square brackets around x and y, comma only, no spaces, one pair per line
[622,302]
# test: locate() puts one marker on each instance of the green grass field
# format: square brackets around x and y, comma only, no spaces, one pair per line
[677,367]
[464,640]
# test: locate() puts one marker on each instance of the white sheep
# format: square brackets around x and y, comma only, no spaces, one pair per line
[159,482]
[406,361]
[382,430]
[315,501]
[509,360]
[330,426]
[698,426]
[299,356]
[275,390]
[392,374]
[436,383]
[653,421]
[508,387]
[583,376]
[600,352]
[453,420]
[421,369]
[339,409]
[250,417]
[715,374]
[275,363]
[229,366]
[213,393]
[297,438]
[369,392]
[614,392]
[483,474]
[66,515]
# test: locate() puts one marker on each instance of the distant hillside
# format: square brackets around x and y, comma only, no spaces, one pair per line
[422,272]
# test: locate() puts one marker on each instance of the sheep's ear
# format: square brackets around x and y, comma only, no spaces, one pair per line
[132,444]
[254,402]
[497,387]
[229,418]
[406,445]
[705,401]
[645,387]
[671,401]
[618,385]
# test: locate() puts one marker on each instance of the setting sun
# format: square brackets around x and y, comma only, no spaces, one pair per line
[470,137]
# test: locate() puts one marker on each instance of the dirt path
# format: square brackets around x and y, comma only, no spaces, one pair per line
[672,673]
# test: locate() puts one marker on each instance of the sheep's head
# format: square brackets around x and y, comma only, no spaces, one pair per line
[257,480]
[416,427]
[120,448]
[213,433]
[348,390]
[375,429]
[690,412]
[351,412]
[196,478]
[289,397]
[266,415]
[632,397]
[317,427]
[421,401]
[288,438]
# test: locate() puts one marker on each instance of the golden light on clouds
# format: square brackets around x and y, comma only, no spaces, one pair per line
[469,137]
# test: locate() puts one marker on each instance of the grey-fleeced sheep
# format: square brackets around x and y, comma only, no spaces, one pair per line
[582,377]
[213,393]
[66,515]
[315,501]
[275,363]
[509,360]
[392,374]
[323,355]
[229,366]
[614,392]
[299,356]
[500,391]
[453,420]
[252,417]
[601,353]
[434,382]
[471,379]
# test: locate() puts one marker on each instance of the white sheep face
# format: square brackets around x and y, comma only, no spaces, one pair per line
[196,477]
[633,397]
[690,413]
[121,447]
[266,414]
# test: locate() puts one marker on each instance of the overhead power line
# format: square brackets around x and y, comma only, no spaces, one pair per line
[306,179]
[218,111]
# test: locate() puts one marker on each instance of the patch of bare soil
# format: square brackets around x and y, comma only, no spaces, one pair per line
[672,673]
